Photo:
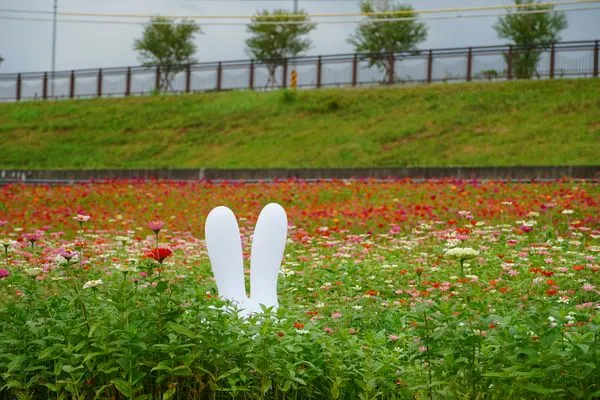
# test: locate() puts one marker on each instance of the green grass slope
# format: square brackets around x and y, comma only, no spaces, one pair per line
[475,124]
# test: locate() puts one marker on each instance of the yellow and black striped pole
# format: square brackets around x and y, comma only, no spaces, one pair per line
[294,79]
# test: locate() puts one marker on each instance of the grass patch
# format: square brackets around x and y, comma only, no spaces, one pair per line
[475,124]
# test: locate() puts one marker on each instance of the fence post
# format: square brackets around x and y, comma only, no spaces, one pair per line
[72,85]
[188,78]
[45,86]
[509,59]
[470,65]
[19,87]
[128,82]
[285,69]
[251,83]
[430,66]
[99,91]
[319,66]
[552,61]
[157,82]
[355,70]
[596,60]
[391,64]
[219,75]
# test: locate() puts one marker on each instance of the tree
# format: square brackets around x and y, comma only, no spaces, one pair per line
[167,45]
[375,37]
[534,32]
[272,43]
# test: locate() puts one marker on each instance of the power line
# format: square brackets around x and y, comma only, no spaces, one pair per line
[343,21]
[315,15]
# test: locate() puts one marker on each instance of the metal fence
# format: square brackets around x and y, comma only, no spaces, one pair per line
[558,60]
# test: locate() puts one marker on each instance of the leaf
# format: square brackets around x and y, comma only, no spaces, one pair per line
[181,370]
[532,387]
[89,356]
[550,338]
[69,368]
[531,353]
[230,372]
[584,347]
[137,376]
[46,353]
[12,384]
[123,387]
[162,366]
[182,330]
[162,286]
[50,386]
[169,393]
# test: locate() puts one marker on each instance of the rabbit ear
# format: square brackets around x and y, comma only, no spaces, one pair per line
[224,246]
[268,245]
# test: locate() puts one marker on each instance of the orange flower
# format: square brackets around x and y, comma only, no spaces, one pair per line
[298,325]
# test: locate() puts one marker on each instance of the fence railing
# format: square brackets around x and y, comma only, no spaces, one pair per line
[565,59]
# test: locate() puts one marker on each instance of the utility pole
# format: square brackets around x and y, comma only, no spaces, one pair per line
[53,47]
[294,80]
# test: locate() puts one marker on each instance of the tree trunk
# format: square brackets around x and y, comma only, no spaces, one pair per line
[271,82]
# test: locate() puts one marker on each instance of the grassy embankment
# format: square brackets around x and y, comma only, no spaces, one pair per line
[476,124]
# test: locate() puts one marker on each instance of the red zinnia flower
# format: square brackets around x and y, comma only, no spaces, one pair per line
[298,325]
[159,254]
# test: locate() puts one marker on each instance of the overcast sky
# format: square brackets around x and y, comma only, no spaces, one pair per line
[26,45]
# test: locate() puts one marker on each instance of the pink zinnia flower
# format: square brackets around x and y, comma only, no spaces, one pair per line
[81,218]
[32,237]
[393,338]
[156,225]
[588,287]
[2,223]
[67,255]
[336,315]
[4,273]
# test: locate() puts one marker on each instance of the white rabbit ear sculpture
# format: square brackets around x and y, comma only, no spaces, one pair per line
[224,246]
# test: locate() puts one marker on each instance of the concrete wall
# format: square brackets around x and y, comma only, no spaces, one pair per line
[511,173]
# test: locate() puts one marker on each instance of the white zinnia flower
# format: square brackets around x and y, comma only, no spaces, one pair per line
[91,284]
[462,253]
[33,271]
[125,268]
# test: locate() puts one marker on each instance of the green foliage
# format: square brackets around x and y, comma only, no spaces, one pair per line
[489,74]
[390,37]
[536,30]
[168,45]
[273,43]
[550,122]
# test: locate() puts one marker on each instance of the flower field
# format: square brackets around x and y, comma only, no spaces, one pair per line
[388,290]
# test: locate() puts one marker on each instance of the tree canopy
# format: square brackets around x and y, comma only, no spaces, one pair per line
[533,30]
[272,42]
[375,36]
[168,45]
